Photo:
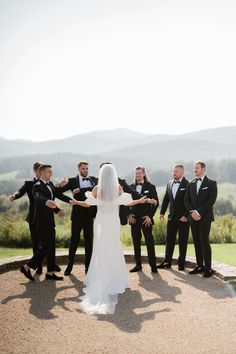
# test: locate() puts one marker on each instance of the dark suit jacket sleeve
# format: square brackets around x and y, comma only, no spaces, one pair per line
[62,196]
[211,201]
[153,208]
[128,189]
[187,200]
[18,194]
[165,202]
[38,195]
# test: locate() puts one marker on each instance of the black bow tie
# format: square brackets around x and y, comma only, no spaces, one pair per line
[176,181]
[198,179]
[139,184]
[85,179]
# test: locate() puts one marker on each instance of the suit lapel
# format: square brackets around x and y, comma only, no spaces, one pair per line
[180,186]
[52,188]
[170,188]
[143,188]
[78,181]
[194,188]
[45,188]
[203,185]
[91,181]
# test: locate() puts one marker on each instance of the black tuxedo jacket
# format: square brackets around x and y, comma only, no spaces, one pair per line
[123,209]
[74,183]
[43,215]
[177,207]
[28,188]
[202,201]
[140,210]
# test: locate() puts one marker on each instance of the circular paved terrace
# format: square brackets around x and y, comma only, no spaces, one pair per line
[171,312]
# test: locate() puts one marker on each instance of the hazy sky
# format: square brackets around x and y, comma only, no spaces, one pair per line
[156,66]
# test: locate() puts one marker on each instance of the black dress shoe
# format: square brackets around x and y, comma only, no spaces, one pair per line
[164,265]
[27,273]
[57,268]
[154,269]
[197,270]
[68,271]
[53,277]
[181,268]
[208,273]
[39,270]
[136,269]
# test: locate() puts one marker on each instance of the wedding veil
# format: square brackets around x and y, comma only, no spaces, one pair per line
[108,185]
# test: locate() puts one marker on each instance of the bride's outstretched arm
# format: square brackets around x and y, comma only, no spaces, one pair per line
[79,202]
[138,201]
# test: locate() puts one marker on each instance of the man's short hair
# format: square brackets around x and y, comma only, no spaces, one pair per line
[44,166]
[180,165]
[36,165]
[82,163]
[201,163]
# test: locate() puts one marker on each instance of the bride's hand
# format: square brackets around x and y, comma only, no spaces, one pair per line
[152,201]
[73,202]
[143,200]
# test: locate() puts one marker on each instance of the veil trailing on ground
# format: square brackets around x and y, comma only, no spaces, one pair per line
[108,185]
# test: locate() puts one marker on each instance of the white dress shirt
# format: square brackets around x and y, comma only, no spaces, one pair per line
[85,183]
[175,186]
[199,183]
[139,187]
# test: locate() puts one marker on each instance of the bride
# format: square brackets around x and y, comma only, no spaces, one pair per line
[107,275]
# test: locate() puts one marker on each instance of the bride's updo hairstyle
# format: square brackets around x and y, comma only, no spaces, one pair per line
[108,185]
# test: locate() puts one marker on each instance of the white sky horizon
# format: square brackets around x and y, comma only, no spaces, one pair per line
[118,128]
[156,67]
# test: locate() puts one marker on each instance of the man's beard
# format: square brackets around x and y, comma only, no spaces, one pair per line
[84,174]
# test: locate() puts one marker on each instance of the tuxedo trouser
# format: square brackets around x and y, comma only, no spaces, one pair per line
[34,237]
[174,227]
[47,249]
[136,232]
[201,233]
[79,224]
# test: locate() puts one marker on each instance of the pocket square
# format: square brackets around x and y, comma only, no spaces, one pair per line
[204,188]
[146,192]
[183,189]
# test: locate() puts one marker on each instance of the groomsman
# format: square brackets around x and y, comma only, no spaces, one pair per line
[200,197]
[27,189]
[81,218]
[127,189]
[177,218]
[44,193]
[141,219]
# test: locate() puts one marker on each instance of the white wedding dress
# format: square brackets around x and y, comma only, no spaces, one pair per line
[107,275]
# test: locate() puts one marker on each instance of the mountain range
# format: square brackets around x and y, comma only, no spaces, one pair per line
[127,148]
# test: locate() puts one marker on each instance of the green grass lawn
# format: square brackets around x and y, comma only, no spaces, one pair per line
[225,253]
